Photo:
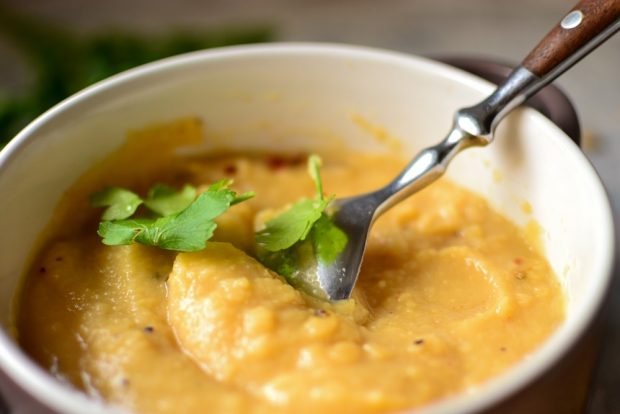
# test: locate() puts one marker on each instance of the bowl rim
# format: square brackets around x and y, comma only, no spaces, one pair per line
[43,387]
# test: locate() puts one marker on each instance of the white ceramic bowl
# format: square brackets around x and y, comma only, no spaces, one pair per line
[298,96]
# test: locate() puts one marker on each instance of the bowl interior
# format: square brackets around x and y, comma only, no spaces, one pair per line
[303,97]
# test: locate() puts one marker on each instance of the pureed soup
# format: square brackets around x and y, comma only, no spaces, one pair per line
[450,294]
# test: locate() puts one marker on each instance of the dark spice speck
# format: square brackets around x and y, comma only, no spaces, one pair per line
[298,159]
[149,329]
[230,169]
[418,341]
[275,162]
[320,313]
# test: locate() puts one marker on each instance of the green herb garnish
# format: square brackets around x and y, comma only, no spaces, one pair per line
[302,234]
[327,239]
[182,222]
[166,201]
[121,203]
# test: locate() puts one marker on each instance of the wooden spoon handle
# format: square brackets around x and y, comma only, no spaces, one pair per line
[586,20]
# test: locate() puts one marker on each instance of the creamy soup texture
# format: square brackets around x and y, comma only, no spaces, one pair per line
[451,294]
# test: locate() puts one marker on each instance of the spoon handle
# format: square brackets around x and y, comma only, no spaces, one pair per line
[588,25]
[583,23]
[584,28]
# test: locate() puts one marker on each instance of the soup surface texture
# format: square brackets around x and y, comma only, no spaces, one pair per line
[450,294]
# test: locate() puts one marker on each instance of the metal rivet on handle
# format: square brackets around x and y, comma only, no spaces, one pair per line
[572,19]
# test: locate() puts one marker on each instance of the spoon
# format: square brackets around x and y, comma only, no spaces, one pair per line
[585,27]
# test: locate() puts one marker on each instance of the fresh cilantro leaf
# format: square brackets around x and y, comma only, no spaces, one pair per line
[121,203]
[225,183]
[190,229]
[295,223]
[314,166]
[291,226]
[294,241]
[239,198]
[221,184]
[187,230]
[165,200]
[121,232]
[327,239]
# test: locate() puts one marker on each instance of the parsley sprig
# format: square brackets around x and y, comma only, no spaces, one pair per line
[296,239]
[292,243]
[181,222]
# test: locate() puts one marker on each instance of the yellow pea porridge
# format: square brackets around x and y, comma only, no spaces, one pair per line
[450,294]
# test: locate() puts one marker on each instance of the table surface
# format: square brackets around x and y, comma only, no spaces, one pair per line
[498,29]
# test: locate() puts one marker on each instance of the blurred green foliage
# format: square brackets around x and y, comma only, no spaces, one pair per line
[65,62]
